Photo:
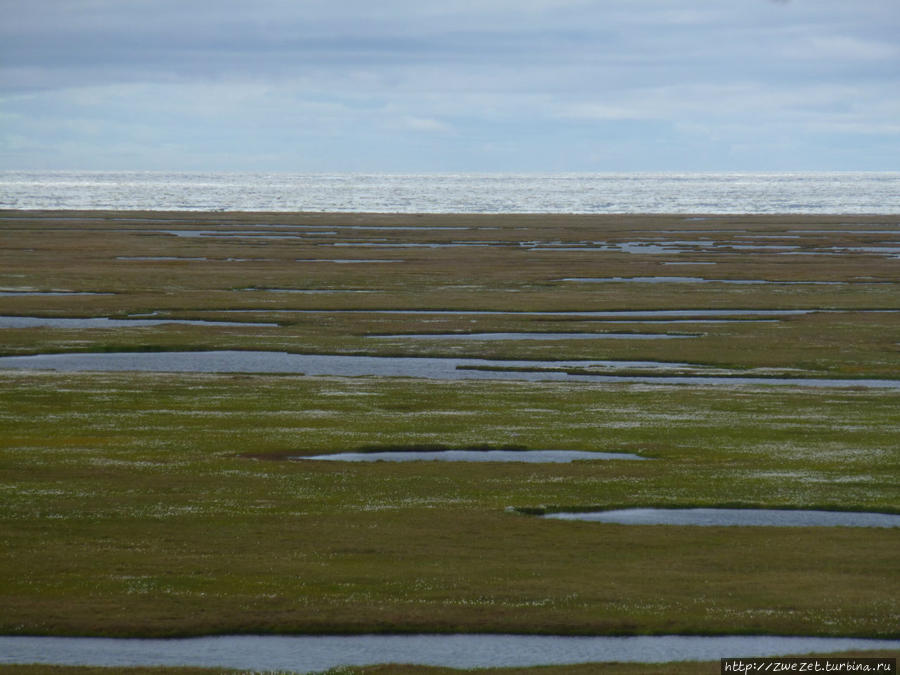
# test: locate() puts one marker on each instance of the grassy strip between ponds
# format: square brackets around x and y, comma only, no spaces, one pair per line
[130,507]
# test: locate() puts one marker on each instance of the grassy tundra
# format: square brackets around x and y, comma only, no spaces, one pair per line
[159,504]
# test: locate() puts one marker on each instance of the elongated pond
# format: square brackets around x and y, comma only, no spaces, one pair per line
[104,322]
[534,336]
[530,456]
[302,654]
[734,517]
[692,280]
[420,367]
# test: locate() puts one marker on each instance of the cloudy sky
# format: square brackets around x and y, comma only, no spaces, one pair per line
[450,85]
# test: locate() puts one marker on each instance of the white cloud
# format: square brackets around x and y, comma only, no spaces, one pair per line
[425,124]
[832,48]
[529,78]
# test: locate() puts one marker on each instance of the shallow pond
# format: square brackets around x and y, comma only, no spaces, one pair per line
[303,654]
[232,234]
[103,322]
[386,366]
[374,244]
[29,293]
[611,314]
[159,258]
[311,291]
[533,336]
[735,517]
[694,280]
[347,261]
[530,456]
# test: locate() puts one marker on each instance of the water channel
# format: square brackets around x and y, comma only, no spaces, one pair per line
[693,280]
[104,322]
[386,366]
[529,456]
[535,336]
[302,654]
[734,517]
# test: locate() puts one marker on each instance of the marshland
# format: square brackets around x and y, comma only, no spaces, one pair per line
[165,503]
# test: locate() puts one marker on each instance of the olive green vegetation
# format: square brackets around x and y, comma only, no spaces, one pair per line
[152,504]
[163,504]
[500,263]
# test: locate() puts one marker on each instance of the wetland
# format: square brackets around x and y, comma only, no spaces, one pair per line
[733,517]
[301,654]
[144,495]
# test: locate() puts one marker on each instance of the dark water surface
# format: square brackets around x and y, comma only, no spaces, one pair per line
[302,654]
[693,280]
[65,293]
[735,517]
[534,336]
[385,366]
[103,322]
[531,456]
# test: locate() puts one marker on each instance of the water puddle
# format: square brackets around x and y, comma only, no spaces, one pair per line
[231,234]
[633,247]
[602,314]
[692,280]
[734,517]
[347,261]
[310,291]
[304,654]
[64,293]
[103,322]
[890,250]
[413,228]
[409,366]
[535,336]
[455,244]
[845,231]
[528,456]
[160,258]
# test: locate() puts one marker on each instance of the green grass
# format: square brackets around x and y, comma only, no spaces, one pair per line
[155,504]
[142,504]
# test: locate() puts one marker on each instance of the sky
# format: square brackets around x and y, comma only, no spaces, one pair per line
[408,86]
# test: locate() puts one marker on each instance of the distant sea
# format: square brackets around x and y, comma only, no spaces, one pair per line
[838,193]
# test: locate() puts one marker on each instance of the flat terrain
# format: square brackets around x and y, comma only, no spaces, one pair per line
[158,504]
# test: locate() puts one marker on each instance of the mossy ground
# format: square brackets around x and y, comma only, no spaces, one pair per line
[163,504]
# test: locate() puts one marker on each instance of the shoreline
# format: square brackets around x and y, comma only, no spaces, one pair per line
[697,218]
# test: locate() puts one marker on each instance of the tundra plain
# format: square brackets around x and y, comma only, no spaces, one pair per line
[166,503]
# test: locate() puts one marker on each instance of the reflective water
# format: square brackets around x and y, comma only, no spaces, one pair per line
[103,322]
[692,280]
[421,367]
[347,260]
[534,336]
[455,244]
[303,654]
[310,291]
[29,293]
[602,314]
[158,258]
[529,456]
[688,193]
[734,517]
